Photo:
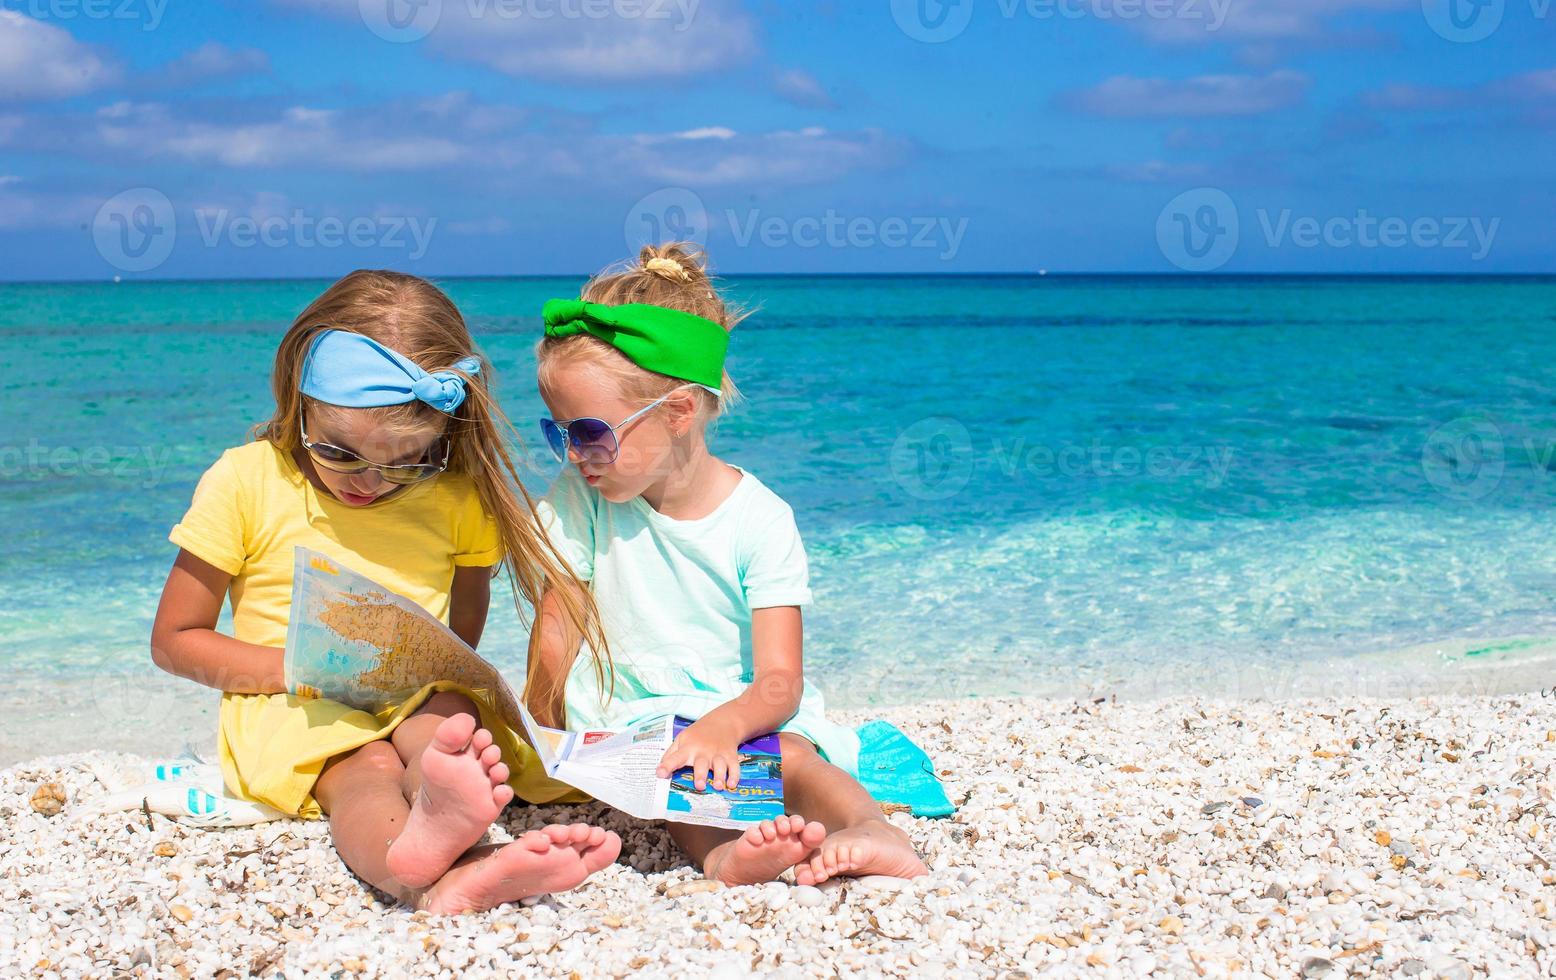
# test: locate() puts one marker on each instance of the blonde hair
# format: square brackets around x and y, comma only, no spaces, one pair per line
[413,317]
[673,275]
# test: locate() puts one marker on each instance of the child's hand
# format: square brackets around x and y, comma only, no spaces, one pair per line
[712,750]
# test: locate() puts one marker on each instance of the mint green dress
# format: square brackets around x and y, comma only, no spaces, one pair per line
[676,597]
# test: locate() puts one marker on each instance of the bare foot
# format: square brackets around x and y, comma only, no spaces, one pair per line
[761,853]
[555,859]
[463,789]
[874,847]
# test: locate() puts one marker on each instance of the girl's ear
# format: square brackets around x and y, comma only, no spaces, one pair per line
[683,406]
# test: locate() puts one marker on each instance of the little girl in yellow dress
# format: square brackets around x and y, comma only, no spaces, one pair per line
[385,453]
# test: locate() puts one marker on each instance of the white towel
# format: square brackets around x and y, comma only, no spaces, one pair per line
[188,790]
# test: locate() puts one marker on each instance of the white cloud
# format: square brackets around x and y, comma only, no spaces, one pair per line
[1415,97]
[210,60]
[590,43]
[318,137]
[809,155]
[258,206]
[1123,96]
[1531,94]
[708,133]
[19,211]
[1536,84]
[1157,172]
[1262,21]
[480,226]
[23,205]
[1261,32]
[1527,88]
[802,89]
[454,133]
[40,61]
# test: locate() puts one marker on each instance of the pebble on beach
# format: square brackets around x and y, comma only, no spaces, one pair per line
[1183,837]
[49,799]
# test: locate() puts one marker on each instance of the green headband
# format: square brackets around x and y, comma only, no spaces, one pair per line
[668,342]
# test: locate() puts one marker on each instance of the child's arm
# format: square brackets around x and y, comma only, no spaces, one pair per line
[184,640]
[711,745]
[469,600]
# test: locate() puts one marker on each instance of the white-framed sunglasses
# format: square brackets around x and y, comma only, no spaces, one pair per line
[340,460]
[593,439]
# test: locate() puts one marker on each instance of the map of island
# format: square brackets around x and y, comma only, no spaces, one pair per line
[353,641]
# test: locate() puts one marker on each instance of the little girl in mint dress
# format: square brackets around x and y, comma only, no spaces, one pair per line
[698,572]
[676,599]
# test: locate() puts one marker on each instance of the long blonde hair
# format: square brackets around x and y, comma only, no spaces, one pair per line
[413,317]
[673,275]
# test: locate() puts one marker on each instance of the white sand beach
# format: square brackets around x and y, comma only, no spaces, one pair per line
[1182,837]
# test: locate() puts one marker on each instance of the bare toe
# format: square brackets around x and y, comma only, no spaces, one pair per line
[453,733]
[764,851]
[454,807]
[871,848]
[532,865]
[601,854]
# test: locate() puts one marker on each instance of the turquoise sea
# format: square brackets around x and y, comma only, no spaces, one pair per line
[1007,485]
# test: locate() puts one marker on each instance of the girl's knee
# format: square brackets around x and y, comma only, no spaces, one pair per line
[446,704]
[798,751]
[372,757]
[375,760]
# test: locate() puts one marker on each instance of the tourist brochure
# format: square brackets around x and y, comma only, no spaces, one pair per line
[352,640]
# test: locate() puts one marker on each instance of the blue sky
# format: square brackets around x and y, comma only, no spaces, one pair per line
[175,138]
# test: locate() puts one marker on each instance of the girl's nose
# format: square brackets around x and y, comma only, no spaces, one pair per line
[367,481]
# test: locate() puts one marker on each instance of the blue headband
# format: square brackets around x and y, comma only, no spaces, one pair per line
[353,371]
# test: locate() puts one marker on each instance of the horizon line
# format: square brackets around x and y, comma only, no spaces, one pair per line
[1033,274]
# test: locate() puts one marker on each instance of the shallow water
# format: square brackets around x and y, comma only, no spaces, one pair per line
[1007,485]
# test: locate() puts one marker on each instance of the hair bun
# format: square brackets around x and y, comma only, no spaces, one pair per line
[667,267]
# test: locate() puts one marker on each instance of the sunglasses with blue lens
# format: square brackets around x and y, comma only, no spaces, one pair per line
[594,440]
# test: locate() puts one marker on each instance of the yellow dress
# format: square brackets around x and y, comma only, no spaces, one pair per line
[250,510]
